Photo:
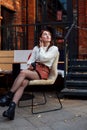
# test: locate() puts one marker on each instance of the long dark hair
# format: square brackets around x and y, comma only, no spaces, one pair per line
[51,42]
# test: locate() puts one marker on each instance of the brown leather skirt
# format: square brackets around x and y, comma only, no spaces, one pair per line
[42,70]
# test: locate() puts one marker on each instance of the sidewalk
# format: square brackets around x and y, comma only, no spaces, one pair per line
[73,116]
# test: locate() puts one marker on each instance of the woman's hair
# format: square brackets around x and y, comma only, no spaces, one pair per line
[49,30]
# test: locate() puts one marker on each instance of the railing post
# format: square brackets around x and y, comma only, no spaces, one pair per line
[65,41]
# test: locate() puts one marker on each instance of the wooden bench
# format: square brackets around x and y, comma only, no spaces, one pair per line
[6,60]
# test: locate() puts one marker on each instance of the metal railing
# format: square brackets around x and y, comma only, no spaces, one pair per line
[18,37]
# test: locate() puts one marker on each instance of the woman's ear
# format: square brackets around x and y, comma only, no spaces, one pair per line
[40,39]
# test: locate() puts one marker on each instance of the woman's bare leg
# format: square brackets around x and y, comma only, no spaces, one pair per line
[21,83]
[20,91]
[24,74]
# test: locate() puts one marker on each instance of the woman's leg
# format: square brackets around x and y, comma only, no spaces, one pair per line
[24,74]
[18,87]
[21,83]
[18,94]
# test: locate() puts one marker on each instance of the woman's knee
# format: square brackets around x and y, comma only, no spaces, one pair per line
[24,84]
[22,73]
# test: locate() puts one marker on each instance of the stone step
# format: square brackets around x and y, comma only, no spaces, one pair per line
[76,83]
[78,68]
[74,92]
[77,75]
[78,62]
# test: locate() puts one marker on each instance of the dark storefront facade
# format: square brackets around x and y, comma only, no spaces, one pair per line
[20,22]
[21,32]
[46,12]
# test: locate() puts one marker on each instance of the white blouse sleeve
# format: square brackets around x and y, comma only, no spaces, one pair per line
[32,57]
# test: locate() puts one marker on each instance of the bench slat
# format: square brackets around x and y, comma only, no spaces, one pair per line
[6,54]
[6,67]
[6,60]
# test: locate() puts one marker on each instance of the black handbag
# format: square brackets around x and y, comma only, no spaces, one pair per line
[34,65]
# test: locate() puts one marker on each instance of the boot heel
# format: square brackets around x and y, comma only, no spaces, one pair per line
[11,117]
[10,113]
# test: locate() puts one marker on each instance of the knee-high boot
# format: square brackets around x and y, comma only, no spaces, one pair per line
[6,99]
[10,112]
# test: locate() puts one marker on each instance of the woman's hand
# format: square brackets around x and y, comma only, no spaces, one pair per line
[41,43]
[30,67]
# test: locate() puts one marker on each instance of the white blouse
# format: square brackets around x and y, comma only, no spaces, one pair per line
[39,54]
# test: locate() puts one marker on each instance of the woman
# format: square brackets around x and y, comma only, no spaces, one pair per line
[43,55]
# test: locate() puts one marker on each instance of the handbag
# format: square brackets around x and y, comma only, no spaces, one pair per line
[34,65]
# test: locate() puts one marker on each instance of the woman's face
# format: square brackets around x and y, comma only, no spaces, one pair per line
[46,36]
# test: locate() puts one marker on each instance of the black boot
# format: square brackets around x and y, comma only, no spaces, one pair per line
[10,112]
[5,100]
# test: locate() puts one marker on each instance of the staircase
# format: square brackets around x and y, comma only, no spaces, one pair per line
[76,77]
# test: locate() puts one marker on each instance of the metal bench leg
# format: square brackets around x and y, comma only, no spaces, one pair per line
[50,110]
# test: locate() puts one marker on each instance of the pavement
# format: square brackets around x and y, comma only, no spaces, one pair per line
[73,116]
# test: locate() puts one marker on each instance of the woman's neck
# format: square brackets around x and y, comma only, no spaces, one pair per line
[46,44]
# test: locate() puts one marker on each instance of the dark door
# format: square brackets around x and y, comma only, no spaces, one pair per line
[6,34]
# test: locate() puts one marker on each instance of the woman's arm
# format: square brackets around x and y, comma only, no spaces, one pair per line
[32,57]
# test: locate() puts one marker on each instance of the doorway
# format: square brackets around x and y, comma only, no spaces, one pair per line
[6,35]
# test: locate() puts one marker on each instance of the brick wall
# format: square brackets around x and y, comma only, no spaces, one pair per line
[21,17]
[8,4]
[31,20]
[13,5]
[82,31]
